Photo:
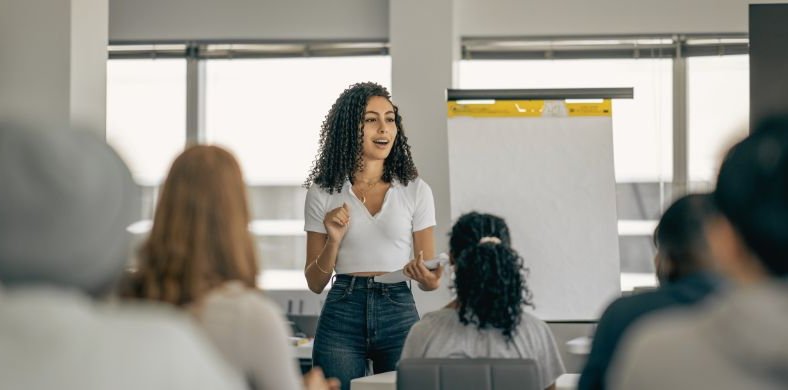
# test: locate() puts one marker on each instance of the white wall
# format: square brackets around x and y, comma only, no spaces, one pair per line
[599,17]
[88,94]
[134,20]
[424,50]
[35,45]
[146,20]
[53,63]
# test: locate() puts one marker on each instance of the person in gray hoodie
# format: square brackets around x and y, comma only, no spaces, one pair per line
[740,340]
[65,201]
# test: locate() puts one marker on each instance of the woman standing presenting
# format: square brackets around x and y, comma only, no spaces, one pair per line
[367,213]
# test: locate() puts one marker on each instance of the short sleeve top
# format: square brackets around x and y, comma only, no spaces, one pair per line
[379,243]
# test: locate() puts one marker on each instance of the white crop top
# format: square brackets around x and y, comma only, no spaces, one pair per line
[382,243]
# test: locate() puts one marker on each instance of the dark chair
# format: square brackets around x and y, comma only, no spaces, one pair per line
[467,374]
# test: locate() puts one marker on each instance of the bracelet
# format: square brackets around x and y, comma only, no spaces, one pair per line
[321,269]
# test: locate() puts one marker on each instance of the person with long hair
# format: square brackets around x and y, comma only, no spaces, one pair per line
[367,212]
[487,318]
[200,256]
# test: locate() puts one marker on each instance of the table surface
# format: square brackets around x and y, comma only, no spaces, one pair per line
[388,381]
[577,346]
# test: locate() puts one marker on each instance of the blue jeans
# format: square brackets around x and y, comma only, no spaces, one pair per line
[362,319]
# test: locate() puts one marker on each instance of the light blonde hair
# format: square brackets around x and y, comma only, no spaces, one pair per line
[200,237]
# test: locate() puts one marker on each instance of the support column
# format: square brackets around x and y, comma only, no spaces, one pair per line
[680,146]
[53,63]
[425,50]
[768,61]
[195,96]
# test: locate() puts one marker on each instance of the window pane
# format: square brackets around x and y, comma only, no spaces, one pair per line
[642,136]
[719,109]
[269,111]
[146,114]
[642,127]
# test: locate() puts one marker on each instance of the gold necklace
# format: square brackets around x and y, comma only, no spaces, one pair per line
[364,193]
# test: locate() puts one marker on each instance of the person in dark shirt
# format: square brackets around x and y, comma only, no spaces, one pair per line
[682,260]
[738,339]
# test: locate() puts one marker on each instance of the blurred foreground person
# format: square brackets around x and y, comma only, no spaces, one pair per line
[739,341]
[65,201]
[200,256]
[683,263]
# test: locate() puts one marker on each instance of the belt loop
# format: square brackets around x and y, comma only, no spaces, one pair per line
[352,283]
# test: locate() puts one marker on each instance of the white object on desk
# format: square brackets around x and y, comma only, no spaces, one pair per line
[579,345]
[399,276]
[303,351]
[567,382]
[388,381]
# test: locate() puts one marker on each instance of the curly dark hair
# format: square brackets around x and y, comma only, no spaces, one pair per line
[339,156]
[489,277]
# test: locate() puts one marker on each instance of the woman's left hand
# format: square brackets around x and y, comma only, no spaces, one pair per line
[428,279]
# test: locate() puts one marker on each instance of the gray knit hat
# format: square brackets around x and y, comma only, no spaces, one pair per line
[66,199]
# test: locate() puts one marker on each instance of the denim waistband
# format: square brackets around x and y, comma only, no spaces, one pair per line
[364,281]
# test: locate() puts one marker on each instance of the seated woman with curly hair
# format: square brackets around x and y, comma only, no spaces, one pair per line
[486,320]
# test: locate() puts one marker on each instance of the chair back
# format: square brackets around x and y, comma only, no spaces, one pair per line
[467,374]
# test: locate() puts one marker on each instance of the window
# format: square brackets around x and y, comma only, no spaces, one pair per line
[146,114]
[642,127]
[642,136]
[146,124]
[719,107]
[269,113]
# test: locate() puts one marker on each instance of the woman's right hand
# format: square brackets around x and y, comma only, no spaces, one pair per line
[314,380]
[337,222]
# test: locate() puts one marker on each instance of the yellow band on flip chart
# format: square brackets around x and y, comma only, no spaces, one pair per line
[531,108]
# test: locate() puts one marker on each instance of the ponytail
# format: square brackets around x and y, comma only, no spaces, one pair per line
[489,274]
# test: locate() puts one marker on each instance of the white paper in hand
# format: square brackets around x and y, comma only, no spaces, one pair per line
[399,276]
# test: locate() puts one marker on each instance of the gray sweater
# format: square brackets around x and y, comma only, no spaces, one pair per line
[440,334]
[738,341]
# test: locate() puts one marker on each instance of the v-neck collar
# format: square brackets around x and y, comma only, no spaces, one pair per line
[393,184]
